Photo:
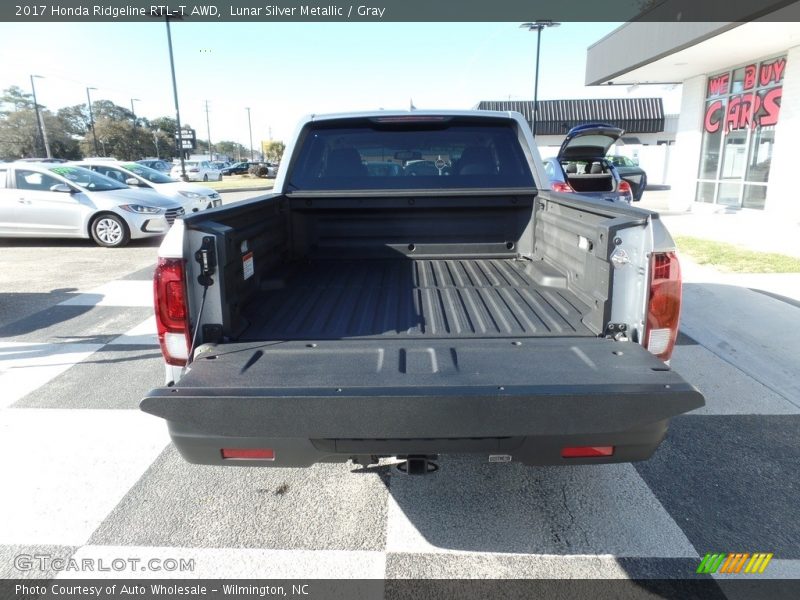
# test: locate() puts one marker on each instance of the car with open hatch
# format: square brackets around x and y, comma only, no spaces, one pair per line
[581,165]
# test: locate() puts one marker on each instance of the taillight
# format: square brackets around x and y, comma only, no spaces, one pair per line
[586,451]
[625,188]
[194,170]
[248,453]
[560,186]
[664,304]
[169,296]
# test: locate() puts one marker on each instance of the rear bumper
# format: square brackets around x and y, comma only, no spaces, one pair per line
[329,400]
[629,446]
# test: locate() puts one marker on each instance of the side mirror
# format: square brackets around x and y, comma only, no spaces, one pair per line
[131,181]
[61,187]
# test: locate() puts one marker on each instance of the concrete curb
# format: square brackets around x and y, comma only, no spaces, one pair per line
[248,189]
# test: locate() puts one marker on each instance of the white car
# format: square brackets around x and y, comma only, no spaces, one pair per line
[68,201]
[197,170]
[191,197]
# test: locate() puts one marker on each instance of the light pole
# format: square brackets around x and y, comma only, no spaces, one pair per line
[39,119]
[91,120]
[178,139]
[208,130]
[250,127]
[133,112]
[537,26]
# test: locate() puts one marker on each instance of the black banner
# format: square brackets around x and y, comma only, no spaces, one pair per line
[699,588]
[402,10]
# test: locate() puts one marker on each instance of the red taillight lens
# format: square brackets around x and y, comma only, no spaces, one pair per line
[625,188]
[560,186]
[586,451]
[169,297]
[664,305]
[248,453]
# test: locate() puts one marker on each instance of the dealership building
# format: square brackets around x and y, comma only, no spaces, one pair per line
[739,124]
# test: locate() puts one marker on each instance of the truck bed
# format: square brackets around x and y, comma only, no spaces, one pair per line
[411,299]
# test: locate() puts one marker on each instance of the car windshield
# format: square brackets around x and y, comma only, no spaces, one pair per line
[424,155]
[88,180]
[144,172]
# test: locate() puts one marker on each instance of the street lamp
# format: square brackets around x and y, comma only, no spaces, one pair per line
[91,119]
[39,119]
[133,112]
[250,127]
[537,26]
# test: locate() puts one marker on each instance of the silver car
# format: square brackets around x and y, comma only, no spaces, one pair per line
[57,200]
[191,196]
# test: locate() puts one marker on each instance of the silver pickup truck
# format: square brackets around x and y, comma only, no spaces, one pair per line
[412,288]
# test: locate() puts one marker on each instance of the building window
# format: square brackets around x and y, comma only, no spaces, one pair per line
[741,111]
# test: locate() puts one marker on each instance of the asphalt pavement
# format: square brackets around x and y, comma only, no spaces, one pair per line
[92,477]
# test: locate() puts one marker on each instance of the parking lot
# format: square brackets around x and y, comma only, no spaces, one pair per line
[87,475]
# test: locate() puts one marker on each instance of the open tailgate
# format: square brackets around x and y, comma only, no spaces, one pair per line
[423,389]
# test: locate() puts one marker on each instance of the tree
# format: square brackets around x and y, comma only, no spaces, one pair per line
[16,99]
[75,118]
[120,139]
[230,149]
[273,151]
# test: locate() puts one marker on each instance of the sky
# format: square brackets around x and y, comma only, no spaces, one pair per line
[283,71]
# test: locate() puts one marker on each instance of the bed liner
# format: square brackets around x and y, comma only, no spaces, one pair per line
[475,298]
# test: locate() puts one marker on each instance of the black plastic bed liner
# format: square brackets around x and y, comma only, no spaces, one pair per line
[329,299]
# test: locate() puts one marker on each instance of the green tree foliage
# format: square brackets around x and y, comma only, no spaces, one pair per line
[232,149]
[118,138]
[273,151]
[14,99]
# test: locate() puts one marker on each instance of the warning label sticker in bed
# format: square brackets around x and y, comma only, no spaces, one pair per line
[247,265]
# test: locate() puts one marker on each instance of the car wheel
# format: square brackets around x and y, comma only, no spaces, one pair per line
[110,231]
[220,177]
[205,177]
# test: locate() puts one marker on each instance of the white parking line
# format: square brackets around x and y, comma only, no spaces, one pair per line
[24,367]
[143,334]
[116,293]
[64,470]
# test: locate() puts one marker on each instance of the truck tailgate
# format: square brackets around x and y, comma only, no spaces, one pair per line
[423,389]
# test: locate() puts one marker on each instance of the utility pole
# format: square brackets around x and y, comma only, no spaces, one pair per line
[208,130]
[250,127]
[537,26]
[178,139]
[39,119]
[91,120]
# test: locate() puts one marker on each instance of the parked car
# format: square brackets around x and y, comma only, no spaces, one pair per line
[581,166]
[631,172]
[197,170]
[158,164]
[66,201]
[42,160]
[239,168]
[192,197]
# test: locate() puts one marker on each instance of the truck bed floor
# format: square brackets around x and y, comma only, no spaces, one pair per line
[330,299]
